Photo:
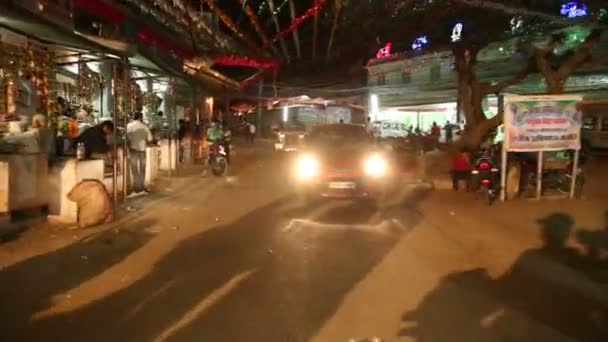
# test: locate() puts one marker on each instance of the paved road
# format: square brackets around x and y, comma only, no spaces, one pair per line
[239,260]
[234,260]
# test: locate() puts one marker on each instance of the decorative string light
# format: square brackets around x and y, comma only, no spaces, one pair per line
[318,5]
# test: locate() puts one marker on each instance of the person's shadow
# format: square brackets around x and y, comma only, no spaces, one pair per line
[249,280]
[543,297]
[596,248]
[31,286]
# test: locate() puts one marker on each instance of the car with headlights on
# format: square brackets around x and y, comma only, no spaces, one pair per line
[342,161]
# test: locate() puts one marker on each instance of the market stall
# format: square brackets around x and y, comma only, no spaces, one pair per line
[25,80]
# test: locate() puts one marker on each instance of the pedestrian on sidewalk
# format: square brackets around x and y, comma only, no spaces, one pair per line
[138,136]
[449,132]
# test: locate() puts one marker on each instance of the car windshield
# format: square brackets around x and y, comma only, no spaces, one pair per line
[339,136]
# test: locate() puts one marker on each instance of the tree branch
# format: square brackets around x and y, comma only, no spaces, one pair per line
[515,79]
[580,56]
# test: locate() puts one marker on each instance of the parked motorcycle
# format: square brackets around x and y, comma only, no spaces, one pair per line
[485,177]
[217,161]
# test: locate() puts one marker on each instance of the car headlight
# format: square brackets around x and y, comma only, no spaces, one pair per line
[307,167]
[375,166]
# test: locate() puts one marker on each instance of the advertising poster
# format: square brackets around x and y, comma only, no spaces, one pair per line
[542,123]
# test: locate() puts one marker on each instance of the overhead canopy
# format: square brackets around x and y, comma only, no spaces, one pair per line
[24,22]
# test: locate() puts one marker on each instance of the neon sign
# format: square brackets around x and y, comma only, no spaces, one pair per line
[457,32]
[420,42]
[573,9]
[385,51]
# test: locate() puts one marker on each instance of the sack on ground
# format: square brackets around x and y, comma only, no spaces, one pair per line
[93,201]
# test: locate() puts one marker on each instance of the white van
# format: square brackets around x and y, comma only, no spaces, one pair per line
[594,134]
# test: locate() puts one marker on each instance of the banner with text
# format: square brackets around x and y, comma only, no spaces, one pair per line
[542,123]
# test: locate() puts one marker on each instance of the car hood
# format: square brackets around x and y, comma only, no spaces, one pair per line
[341,158]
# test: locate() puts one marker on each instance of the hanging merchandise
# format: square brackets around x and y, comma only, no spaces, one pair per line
[227,20]
[318,5]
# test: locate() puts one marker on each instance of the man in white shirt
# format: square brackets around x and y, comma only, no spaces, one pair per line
[138,135]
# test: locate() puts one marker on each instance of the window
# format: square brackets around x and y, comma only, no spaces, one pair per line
[589,122]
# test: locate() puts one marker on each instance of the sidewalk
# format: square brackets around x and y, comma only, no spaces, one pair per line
[38,236]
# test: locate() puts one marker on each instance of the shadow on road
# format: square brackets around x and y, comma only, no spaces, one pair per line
[545,296]
[246,281]
[28,287]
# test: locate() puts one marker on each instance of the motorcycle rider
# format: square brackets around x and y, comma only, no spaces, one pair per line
[215,135]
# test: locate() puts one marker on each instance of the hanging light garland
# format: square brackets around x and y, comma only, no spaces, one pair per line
[245,61]
[253,18]
[299,20]
[231,24]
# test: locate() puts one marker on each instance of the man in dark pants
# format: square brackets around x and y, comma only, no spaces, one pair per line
[95,139]
[138,135]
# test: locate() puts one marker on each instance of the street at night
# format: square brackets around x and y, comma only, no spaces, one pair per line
[303,170]
[239,260]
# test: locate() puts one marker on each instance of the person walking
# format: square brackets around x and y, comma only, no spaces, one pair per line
[252,131]
[449,132]
[138,136]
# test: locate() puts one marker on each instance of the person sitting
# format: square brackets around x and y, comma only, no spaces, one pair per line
[461,169]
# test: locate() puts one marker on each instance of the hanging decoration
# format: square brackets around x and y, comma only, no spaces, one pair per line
[457,32]
[385,51]
[227,20]
[573,9]
[318,5]
[420,43]
[255,22]
[245,61]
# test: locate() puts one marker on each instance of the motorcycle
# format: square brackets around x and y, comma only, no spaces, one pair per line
[217,159]
[485,178]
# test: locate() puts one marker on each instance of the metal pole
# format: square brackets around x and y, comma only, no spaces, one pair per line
[574,174]
[171,111]
[260,102]
[539,175]
[114,144]
[125,118]
[503,174]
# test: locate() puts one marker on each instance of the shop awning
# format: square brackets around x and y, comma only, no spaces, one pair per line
[24,22]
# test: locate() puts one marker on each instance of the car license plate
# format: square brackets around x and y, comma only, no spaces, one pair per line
[342,185]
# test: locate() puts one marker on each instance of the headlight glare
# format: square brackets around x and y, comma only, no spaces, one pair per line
[307,167]
[375,166]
